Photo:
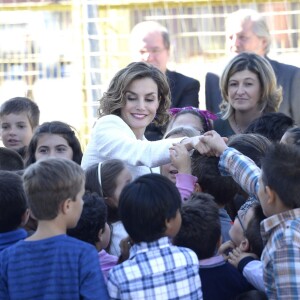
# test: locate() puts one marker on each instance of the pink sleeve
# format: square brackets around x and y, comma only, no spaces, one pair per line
[185,184]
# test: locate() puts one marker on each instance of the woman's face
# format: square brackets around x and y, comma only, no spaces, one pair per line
[53,145]
[141,104]
[244,91]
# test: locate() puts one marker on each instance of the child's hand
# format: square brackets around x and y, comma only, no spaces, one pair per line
[190,142]
[211,144]
[180,158]
[226,248]
[125,245]
[236,255]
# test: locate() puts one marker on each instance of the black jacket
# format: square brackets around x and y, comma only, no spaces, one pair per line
[184,92]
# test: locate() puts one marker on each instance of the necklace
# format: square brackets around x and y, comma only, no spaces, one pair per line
[239,129]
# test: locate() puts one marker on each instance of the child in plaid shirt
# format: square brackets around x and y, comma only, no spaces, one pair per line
[150,211]
[277,187]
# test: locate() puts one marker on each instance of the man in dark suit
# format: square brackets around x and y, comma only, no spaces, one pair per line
[150,42]
[247,31]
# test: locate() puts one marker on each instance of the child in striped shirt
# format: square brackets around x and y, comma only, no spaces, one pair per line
[49,264]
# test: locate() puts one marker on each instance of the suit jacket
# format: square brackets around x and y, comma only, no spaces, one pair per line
[287,76]
[213,96]
[184,92]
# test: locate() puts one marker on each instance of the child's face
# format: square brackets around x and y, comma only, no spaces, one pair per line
[168,170]
[105,236]
[236,232]
[188,120]
[16,130]
[53,145]
[122,179]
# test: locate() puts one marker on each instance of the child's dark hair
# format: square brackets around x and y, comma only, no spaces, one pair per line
[110,170]
[92,219]
[59,128]
[205,168]
[10,160]
[281,172]
[200,228]
[19,105]
[146,204]
[13,202]
[294,136]
[252,232]
[252,145]
[48,183]
[272,125]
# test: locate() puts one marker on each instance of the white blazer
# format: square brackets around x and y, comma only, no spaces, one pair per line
[112,138]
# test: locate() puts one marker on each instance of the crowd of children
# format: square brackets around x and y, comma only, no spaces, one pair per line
[220,221]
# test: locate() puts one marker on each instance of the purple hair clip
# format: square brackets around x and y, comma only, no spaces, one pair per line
[204,113]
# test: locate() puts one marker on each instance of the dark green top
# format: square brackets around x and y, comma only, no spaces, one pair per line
[223,128]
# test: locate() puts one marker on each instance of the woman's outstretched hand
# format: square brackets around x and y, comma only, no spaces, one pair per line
[211,144]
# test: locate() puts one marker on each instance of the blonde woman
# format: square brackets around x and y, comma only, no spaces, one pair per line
[249,89]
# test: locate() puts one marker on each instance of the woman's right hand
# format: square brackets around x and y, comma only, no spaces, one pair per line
[190,142]
[211,144]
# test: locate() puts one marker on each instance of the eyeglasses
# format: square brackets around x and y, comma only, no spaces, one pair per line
[153,51]
[239,219]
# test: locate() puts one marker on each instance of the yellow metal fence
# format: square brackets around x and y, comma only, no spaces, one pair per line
[62,54]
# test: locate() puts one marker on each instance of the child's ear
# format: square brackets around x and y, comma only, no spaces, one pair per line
[197,188]
[274,201]
[169,226]
[173,225]
[66,206]
[25,217]
[244,245]
[100,234]
[271,195]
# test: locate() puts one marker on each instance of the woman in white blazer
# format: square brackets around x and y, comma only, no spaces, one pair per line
[136,96]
